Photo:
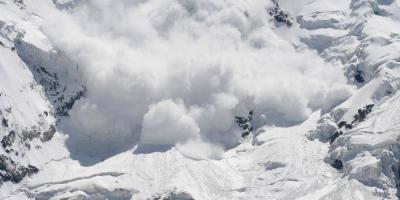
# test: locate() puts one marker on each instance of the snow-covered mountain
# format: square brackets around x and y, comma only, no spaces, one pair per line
[199,99]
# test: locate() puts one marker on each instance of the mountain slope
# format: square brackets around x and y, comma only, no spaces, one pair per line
[138,99]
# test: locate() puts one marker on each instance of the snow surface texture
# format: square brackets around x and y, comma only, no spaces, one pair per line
[144,94]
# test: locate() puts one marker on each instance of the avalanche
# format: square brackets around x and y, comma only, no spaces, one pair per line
[103,99]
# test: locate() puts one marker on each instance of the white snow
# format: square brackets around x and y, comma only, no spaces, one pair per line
[165,80]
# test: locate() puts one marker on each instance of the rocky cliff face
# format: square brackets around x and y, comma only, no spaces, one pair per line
[37,88]
[365,150]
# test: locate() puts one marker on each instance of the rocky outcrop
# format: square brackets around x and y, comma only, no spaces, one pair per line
[8,33]
[20,4]
[58,75]
[13,171]
[280,16]
[8,140]
[245,123]
[16,143]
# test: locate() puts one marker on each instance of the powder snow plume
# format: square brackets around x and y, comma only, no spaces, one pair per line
[177,72]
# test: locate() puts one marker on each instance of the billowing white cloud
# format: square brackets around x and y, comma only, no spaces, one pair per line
[170,72]
[167,123]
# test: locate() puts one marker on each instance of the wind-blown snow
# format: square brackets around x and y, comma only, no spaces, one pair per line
[159,84]
[178,70]
[171,119]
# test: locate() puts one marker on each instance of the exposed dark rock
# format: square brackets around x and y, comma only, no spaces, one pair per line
[47,135]
[245,134]
[341,124]
[362,113]
[337,164]
[20,4]
[358,77]
[279,15]
[283,17]
[30,134]
[14,172]
[4,177]
[348,126]
[4,122]
[63,109]
[245,123]
[345,124]
[3,164]
[9,139]
[335,135]
[18,175]
[359,117]
[58,75]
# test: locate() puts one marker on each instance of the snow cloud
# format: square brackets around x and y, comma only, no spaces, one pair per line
[177,72]
[170,119]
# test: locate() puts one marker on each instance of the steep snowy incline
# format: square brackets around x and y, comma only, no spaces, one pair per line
[28,134]
[286,165]
[363,130]
[279,163]
[360,34]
